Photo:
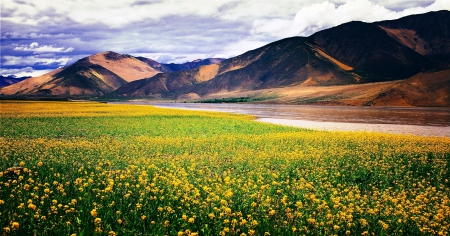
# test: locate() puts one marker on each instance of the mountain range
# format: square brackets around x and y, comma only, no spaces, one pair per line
[95,75]
[403,62]
[10,79]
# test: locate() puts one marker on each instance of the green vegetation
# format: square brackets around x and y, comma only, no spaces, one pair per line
[87,168]
[236,100]
[315,100]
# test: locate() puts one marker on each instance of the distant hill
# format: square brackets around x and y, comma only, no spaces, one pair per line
[8,80]
[423,90]
[27,86]
[193,64]
[172,67]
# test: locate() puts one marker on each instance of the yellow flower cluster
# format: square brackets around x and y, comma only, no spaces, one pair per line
[194,173]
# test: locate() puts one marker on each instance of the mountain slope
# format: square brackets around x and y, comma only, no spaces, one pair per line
[82,79]
[25,86]
[428,34]
[126,67]
[286,62]
[368,48]
[167,83]
[424,89]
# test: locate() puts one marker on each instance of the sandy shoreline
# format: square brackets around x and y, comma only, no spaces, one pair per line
[383,128]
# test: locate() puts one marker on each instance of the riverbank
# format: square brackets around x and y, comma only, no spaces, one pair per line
[397,120]
[383,128]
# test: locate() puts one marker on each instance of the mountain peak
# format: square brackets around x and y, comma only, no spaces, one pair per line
[109,55]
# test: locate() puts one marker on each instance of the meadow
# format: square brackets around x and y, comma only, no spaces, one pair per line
[86,168]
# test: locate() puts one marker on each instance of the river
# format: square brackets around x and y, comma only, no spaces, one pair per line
[416,121]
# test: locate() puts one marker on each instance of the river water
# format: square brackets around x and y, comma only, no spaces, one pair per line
[417,121]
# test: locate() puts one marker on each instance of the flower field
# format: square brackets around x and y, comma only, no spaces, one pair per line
[82,168]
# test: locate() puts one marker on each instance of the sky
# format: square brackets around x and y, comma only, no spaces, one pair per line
[38,36]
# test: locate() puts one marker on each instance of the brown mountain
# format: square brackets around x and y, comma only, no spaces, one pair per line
[95,75]
[91,76]
[423,89]
[125,66]
[82,78]
[166,83]
[27,85]
[371,51]
[352,53]
[287,62]
[427,34]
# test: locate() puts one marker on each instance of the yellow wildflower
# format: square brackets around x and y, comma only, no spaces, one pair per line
[15,225]
[94,213]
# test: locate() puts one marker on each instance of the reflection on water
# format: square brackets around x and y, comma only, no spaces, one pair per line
[420,121]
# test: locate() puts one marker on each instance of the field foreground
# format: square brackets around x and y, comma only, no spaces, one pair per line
[96,169]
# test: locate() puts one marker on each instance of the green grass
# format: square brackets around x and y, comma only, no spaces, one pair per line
[236,100]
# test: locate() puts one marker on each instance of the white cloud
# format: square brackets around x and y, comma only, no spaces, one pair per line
[168,58]
[400,5]
[22,72]
[326,14]
[240,47]
[116,14]
[250,10]
[439,5]
[278,28]
[34,60]
[6,72]
[178,28]
[36,49]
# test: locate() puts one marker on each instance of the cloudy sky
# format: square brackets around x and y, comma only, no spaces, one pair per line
[38,36]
